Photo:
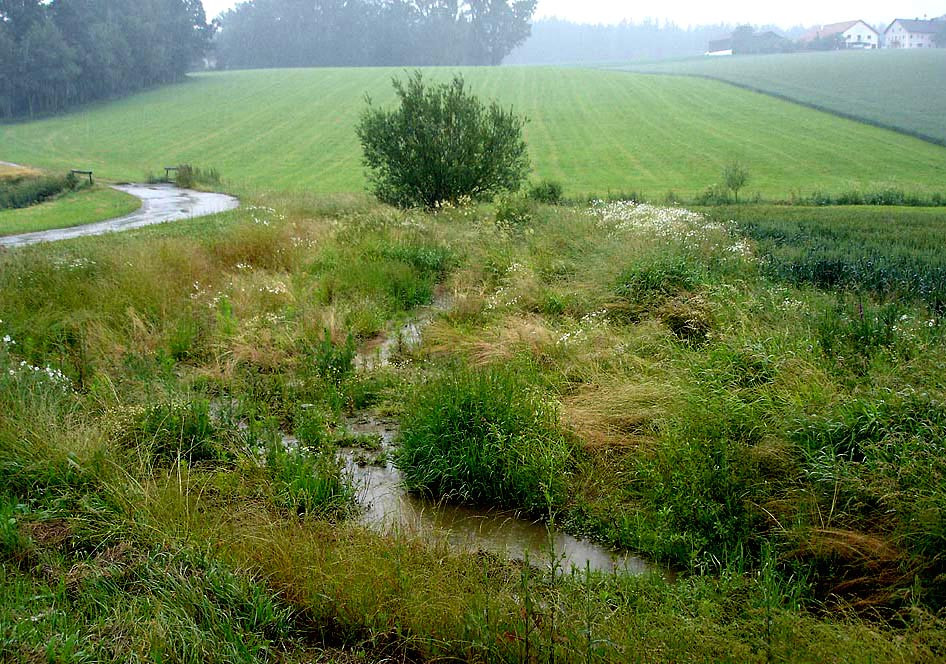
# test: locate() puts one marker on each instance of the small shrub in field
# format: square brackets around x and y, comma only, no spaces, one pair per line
[188,176]
[713,195]
[25,191]
[513,211]
[549,192]
[687,317]
[735,177]
[486,437]
[442,144]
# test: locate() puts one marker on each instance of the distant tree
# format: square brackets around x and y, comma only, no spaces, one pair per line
[441,144]
[498,27]
[315,33]
[735,177]
[70,52]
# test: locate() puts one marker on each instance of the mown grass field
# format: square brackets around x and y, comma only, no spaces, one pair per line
[905,90]
[594,131]
[83,207]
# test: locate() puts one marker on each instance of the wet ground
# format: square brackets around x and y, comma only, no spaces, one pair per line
[160,203]
[389,508]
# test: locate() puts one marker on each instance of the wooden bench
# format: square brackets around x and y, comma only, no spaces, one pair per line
[78,172]
[167,172]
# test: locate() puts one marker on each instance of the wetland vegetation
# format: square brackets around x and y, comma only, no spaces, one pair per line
[652,378]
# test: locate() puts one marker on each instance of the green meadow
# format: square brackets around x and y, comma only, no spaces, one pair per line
[595,131]
[904,90]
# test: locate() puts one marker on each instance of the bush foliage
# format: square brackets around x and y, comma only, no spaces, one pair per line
[441,145]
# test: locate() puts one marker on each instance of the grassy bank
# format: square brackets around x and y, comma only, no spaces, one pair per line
[74,209]
[595,131]
[639,375]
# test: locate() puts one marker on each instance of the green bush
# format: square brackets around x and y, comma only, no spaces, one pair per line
[441,145]
[549,192]
[26,191]
[188,176]
[485,437]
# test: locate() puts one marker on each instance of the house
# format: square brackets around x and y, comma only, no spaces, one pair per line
[848,34]
[912,33]
[720,47]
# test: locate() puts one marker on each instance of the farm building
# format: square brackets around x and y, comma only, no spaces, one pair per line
[849,34]
[720,47]
[912,33]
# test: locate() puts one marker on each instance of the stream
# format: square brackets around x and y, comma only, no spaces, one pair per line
[389,508]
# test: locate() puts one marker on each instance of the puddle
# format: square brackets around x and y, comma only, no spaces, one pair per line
[406,337]
[390,509]
[160,203]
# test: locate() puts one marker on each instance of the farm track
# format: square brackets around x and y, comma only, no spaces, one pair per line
[159,204]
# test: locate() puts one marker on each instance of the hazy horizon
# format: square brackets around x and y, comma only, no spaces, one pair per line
[689,13]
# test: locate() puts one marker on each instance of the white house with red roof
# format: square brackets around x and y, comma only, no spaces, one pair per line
[849,34]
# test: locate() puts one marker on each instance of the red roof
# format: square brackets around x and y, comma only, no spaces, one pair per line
[831,30]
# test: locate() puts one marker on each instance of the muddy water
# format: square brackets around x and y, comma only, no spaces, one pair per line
[160,203]
[390,509]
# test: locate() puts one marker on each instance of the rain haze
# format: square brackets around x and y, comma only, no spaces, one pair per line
[804,12]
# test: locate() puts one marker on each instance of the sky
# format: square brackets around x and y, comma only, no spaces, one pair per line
[696,12]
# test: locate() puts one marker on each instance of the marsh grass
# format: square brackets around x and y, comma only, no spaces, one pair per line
[485,437]
[156,375]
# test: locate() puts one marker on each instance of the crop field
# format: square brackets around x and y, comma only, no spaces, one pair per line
[595,131]
[904,90]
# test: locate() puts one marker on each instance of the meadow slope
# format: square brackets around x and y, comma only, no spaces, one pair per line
[596,131]
[904,90]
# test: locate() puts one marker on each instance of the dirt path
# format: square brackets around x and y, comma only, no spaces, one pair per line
[160,203]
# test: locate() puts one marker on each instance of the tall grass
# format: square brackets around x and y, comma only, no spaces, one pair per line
[485,437]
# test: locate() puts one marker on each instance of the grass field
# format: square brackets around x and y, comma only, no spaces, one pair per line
[905,90]
[594,131]
[82,207]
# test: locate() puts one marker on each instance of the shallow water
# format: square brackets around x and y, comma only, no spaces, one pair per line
[390,509]
[160,203]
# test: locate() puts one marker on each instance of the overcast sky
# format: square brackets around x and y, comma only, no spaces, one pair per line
[693,12]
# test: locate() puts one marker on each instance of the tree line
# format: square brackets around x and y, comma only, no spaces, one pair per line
[312,33]
[60,53]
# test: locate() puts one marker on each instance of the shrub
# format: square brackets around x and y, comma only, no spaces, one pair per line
[181,429]
[713,195]
[485,437]
[440,145]
[549,192]
[513,211]
[188,176]
[27,191]
[735,177]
